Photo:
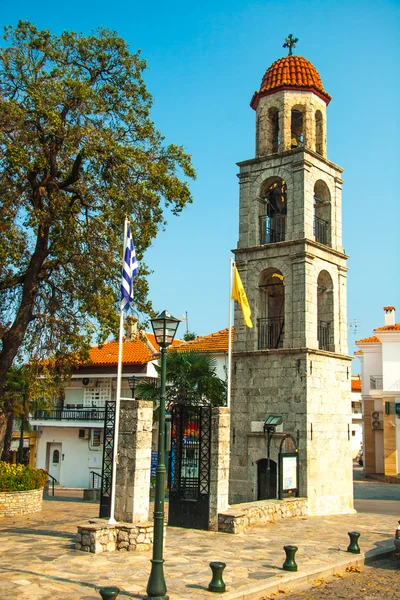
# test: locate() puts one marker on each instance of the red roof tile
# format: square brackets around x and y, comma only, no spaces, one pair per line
[356,383]
[290,72]
[369,340]
[215,342]
[136,352]
[395,327]
[151,338]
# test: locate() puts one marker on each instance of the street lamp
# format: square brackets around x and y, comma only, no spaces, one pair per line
[270,425]
[164,328]
[132,383]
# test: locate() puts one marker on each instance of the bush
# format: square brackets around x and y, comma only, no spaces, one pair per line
[17,478]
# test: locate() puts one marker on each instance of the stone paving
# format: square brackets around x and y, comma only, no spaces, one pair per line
[38,559]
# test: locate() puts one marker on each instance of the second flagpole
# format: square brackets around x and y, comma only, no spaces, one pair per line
[111,520]
[228,400]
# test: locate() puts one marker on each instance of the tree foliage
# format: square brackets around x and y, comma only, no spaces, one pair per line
[78,152]
[191,379]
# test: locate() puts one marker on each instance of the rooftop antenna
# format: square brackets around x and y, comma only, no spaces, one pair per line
[353,325]
[290,42]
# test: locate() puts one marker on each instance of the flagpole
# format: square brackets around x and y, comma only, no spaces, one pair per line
[112,520]
[228,402]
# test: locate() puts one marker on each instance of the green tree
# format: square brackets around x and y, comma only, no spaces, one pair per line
[191,379]
[78,152]
[189,336]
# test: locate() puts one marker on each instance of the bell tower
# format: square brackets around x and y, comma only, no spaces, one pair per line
[294,362]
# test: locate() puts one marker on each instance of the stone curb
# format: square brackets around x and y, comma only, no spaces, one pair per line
[291,581]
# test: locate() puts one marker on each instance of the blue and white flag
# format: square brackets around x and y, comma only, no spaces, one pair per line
[130,269]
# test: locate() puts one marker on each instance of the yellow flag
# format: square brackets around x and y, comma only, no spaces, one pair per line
[239,294]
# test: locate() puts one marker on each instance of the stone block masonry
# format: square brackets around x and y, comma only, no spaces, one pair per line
[14,504]
[240,517]
[98,537]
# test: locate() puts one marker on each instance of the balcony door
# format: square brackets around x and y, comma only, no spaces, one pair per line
[55,456]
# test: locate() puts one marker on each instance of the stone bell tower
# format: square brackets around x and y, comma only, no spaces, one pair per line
[294,362]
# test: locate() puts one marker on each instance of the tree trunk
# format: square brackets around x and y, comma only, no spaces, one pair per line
[6,454]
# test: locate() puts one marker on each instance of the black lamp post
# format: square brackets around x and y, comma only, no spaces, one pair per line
[270,425]
[20,454]
[132,383]
[164,328]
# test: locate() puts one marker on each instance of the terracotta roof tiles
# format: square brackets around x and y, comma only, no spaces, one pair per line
[290,72]
[369,340]
[215,342]
[136,352]
[395,327]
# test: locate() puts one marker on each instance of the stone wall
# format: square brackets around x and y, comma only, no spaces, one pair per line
[219,466]
[242,516]
[13,504]
[100,537]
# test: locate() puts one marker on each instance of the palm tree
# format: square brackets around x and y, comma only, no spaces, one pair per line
[191,379]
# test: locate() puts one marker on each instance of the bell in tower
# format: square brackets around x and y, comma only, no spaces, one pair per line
[294,363]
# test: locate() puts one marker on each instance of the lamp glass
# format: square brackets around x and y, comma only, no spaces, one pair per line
[164,328]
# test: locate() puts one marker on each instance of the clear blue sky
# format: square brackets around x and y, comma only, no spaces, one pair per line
[205,60]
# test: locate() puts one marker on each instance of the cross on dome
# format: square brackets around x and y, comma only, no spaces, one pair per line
[290,42]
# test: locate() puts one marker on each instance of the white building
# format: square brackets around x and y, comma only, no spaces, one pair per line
[70,436]
[380,364]
[356,415]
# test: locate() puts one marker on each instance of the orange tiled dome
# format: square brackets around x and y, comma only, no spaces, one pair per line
[290,72]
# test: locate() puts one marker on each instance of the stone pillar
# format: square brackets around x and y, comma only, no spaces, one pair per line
[219,464]
[134,457]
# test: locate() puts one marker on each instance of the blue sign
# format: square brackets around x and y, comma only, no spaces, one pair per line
[153,465]
[397,405]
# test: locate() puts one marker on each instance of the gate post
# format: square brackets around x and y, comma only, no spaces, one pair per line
[219,464]
[132,487]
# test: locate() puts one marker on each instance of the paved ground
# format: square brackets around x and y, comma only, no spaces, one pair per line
[374,496]
[38,560]
[377,581]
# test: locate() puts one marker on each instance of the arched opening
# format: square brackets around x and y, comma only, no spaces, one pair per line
[271,321]
[265,492]
[273,130]
[322,213]
[56,457]
[325,311]
[319,133]
[297,128]
[274,211]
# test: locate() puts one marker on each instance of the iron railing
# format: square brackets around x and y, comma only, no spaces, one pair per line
[324,335]
[88,414]
[95,483]
[51,479]
[272,229]
[270,333]
[376,382]
[321,231]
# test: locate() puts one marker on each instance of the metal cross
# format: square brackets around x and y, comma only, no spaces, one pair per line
[290,42]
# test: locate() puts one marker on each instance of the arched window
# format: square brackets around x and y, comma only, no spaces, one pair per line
[297,128]
[274,211]
[56,457]
[318,132]
[325,311]
[273,130]
[322,213]
[271,310]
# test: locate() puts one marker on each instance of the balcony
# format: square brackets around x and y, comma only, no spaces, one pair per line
[324,335]
[321,231]
[270,333]
[272,229]
[68,415]
[376,382]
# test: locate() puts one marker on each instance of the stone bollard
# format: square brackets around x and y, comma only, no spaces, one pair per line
[353,547]
[109,593]
[290,563]
[217,583]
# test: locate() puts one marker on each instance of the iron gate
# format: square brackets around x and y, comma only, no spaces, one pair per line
[189,471]
[107,467]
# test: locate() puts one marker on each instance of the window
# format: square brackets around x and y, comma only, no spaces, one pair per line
[56,457]
[297,129]
[319,133]
[274,210]
[325,312]
[322,213]
[272,310]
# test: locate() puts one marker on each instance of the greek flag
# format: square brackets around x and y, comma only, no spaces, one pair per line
[130,269]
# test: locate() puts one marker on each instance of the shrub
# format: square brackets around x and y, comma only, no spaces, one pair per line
[17,478]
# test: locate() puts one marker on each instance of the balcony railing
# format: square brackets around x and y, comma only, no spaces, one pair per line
[376,382]
[67,414]
[324,335]
[321,231]
[270,333]
[272,229]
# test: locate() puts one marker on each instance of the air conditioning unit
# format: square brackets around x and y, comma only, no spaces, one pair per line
[83,434]
[376,420]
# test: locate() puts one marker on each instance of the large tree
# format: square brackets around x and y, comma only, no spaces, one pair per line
[78,152]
